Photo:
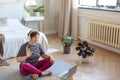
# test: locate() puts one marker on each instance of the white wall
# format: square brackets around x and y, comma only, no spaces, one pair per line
[86,15]
[39,2]
[12,8]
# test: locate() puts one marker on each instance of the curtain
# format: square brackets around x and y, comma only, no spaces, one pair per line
[67,18]
[74,30]
[64,17]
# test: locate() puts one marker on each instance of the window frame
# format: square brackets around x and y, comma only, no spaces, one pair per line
[101,7]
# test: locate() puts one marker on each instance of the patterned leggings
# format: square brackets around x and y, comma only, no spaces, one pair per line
[27,68]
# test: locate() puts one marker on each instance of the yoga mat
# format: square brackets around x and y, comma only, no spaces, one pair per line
[57,68]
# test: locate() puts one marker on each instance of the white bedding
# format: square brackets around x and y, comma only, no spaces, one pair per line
[15,36]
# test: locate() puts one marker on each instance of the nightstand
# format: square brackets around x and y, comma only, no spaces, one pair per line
[35,22]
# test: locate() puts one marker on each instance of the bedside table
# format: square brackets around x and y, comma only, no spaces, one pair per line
[35,22]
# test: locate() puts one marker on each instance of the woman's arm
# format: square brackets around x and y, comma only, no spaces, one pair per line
[22,58]
[48,56]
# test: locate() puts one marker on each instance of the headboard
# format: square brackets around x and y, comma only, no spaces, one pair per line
[12,9]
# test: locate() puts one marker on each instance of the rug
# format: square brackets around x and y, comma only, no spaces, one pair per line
[58,68]
[51,50]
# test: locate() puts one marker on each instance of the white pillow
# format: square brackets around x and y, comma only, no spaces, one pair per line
[13,22]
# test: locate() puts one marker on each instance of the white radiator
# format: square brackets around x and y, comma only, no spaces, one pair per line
[108,34]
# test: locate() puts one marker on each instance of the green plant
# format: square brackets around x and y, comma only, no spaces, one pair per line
[39,9]
[67,40]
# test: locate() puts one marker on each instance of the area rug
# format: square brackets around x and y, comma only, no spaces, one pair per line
[51,50]
[58,68]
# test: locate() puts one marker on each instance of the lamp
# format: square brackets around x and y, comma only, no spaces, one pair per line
[30,5]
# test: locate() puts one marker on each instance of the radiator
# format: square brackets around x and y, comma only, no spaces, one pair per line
[108,34]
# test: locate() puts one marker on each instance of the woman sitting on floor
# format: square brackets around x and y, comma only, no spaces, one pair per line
[29,55]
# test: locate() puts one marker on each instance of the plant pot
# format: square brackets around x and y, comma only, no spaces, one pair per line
[37,13]
[66,50]
[85,60]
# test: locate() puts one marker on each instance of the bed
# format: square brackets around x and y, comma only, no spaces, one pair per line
[15,35]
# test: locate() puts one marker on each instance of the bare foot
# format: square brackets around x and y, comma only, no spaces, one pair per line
[35,76]
[46,73]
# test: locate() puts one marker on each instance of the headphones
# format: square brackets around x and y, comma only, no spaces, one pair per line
[29,34]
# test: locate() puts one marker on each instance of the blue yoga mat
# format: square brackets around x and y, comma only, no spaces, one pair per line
[58,68]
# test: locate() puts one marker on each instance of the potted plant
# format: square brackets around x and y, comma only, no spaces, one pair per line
[85,50]
[39,11]
[67,41]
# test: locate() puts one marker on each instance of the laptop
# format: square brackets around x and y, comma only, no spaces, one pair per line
[69,73]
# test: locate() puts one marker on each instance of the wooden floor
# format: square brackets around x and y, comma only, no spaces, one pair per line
[103,65]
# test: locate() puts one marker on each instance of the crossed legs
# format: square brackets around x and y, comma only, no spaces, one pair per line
[38,68]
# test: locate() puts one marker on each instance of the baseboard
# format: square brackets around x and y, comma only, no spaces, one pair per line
[100,45]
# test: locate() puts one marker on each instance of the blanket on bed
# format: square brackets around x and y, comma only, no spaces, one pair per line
[2,38]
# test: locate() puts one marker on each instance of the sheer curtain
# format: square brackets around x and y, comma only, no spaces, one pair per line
[64,17]
[74,30]
[67,18]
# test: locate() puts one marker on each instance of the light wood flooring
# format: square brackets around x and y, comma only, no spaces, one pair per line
[103,65]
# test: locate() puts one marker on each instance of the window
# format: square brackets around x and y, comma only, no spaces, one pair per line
[88,3]
[107,2]
[99,4]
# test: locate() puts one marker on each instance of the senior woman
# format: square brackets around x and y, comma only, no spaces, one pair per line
[29,55]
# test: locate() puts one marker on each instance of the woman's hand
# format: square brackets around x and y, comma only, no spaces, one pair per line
[52,60]
[28,53]
[22,58]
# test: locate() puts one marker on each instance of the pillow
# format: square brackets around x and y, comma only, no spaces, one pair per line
[10,22]
[13,22]
[3,22]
